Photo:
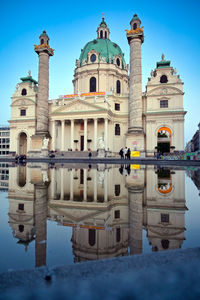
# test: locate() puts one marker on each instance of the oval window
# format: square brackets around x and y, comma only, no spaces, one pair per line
[93,58]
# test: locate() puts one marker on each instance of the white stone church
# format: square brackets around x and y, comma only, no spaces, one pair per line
[108,109]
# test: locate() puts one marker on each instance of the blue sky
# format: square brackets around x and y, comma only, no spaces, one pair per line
[170,27]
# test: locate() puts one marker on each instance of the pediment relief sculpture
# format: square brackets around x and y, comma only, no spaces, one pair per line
[164,91]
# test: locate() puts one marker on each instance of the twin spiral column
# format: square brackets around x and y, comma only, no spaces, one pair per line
[40,140]
[135,134]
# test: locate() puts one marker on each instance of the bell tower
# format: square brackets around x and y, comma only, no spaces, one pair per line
[135,134]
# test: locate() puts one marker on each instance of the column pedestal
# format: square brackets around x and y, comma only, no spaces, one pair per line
[40,145]
[101,153]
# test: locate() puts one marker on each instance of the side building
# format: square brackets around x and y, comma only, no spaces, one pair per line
[192,148]
[4,140]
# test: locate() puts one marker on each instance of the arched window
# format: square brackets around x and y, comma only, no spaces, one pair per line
[21,228]
[92,84]
[92,237]
[134,26]
[165,244]
[118,87]
[101,34]
[163,79]
[105,35]
[118,62]
[42,41]
[24,92]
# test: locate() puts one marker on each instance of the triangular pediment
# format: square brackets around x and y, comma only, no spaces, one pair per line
[76,106]
[77,215]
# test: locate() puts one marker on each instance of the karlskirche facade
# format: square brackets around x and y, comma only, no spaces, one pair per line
[108,109]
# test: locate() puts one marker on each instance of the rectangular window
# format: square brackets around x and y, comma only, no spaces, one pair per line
[21,206]
[163,103]
[117,129]
[22,112]
[117,189]
[165,218]
[118,235]
[117,214]
[117,106]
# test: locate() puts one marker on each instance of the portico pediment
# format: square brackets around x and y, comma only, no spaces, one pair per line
[77,106]
[75,215]
[164,91]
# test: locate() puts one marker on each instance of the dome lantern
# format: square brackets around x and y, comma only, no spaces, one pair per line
[103,31]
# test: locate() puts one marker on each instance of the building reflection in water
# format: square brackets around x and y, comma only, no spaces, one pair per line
[194,174]
[107,207]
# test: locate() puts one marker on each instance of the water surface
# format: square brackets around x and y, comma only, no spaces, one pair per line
[68,213]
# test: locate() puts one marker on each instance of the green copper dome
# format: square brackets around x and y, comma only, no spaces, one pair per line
[105,48]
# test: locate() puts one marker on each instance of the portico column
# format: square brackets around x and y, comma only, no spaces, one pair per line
[85,185]
[105,186]
[95,135]
[85,134]
[53,134]
[95,185]
[52,183]
[62,135]
[106,133]
[71,185]
[62,184]
[72,134]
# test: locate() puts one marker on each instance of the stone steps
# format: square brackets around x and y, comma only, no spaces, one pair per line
[75,153]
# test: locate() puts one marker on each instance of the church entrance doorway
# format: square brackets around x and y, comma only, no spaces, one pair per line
[22,143]
[82,142]
[163,147]
[163,140]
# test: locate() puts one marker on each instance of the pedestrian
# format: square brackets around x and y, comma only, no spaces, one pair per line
[129,153]
[121,153]
[125,152]
[90,154]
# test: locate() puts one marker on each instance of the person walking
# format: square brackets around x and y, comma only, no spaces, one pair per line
[121,153]
[129,153]
[125,152]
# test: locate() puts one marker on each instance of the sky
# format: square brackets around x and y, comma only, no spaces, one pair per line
[170,27]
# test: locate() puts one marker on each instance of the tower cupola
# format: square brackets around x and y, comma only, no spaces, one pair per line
[135,22]
[44,39]
[103,31]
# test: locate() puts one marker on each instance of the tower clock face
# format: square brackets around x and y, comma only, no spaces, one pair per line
[164,91]
[93,58]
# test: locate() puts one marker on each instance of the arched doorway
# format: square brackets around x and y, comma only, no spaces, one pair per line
[22,143]
[164,181]
[164,140]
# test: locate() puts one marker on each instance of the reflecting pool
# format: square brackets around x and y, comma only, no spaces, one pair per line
[67,213]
